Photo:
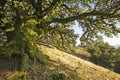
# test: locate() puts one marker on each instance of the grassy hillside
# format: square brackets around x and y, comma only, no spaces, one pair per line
[53,70]
[81,52]
[61,66]
[84,69]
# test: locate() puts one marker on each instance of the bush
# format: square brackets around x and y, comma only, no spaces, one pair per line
[24,62]
[117,67]
[59,76]
[43,59]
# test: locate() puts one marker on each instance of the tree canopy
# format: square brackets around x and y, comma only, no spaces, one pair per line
[93,15]
[23,21]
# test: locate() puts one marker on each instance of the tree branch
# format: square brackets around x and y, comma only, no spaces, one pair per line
[53,5]
[115,11]
[67,7]
[79,16]
[43,13]
[40,5]
[35,5]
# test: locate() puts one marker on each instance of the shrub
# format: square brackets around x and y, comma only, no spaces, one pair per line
[59,76]
[42,58]
[24,62]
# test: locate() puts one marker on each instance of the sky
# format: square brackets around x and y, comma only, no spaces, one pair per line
[112,41]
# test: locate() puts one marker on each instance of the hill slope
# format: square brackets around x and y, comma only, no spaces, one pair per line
[85,70]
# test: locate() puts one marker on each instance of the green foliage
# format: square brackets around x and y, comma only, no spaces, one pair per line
[92,16]
[29,34]
[58,76]
[5,52]
[117,64]
[24,62]
[74,76]
[60,37]
[9,51]
[42,58]
[105,55]
[117,67]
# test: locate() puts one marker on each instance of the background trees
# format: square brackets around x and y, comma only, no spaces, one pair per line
[104,55]
[23,21]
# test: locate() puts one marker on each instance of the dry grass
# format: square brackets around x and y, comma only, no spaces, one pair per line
[86,70]
[35,72]
[73,67]
[80,52]
[10,75]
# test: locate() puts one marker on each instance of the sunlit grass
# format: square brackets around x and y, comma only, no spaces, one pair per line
[84,69]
